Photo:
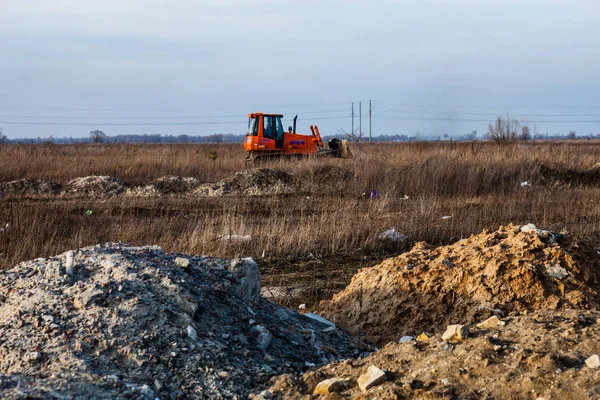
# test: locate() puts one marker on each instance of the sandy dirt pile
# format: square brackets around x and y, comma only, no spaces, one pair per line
[134,322]
[30,187]
[510,270]
[263,181]
[95,186]
[545,355]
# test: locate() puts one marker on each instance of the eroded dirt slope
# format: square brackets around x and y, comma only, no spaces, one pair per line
[425,289]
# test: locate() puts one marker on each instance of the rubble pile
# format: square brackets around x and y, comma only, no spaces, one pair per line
[514,269]
[165,185]
[30,187]
[95,186]
[550,176]
[114,321]
[257,182]
[543,355]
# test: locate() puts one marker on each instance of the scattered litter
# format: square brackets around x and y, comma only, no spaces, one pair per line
[393,235]
[88,212]
[406,339]
[447,217]
[242,238]
[302,306]
[525,183]
[374,194]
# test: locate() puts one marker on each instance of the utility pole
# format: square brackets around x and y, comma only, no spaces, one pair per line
[359,120]
[370,137]
[352,131]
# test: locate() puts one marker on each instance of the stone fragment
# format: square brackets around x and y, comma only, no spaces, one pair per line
[262,335]
[191,332]
[328,386]
[556,271]
[108,264]
[83,299]
[182,262]
[491,322]
[326,324]
[54,269]
[593,361]
[147,392]
[69,263]
[373,377]
[246,273]
[455,333]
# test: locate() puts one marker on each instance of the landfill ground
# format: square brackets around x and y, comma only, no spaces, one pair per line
[175,271]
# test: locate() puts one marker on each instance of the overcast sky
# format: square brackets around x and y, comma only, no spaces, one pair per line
[430,66]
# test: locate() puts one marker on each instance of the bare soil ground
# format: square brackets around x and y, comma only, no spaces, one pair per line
[535,356]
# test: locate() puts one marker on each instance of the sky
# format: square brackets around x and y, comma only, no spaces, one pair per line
[199,67]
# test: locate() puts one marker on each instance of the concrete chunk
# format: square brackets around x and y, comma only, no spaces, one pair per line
[373,377]
[328,386]
[455,333]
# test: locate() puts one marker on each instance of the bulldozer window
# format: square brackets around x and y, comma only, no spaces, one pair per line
[268,129]
[279,128]
[252,127]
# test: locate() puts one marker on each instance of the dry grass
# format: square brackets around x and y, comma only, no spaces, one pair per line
[478,184]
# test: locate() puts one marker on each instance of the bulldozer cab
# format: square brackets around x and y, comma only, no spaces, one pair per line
[267,126]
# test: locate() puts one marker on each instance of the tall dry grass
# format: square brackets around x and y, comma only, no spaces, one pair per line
[331,216]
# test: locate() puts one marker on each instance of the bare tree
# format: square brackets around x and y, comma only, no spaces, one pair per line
[525,133]
[98,136]
[506,129]
[572,135]
[2,137]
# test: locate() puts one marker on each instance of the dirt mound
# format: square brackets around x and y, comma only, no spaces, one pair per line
[175,184]
[539,356]
[427,288]
[256,182]
[30,187]
[164,185]
[95,186]
[135,322]
[566,177]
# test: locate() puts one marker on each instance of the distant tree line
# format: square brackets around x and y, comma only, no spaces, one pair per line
[503,129]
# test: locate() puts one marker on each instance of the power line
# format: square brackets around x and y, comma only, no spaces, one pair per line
[171,123]
[410,117]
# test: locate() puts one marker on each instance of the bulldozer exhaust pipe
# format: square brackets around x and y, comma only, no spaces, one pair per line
[295,119]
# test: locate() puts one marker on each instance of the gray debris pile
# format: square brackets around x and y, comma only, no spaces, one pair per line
[114,321]
[30,187]
[165,185]
[95,186]
[263,181]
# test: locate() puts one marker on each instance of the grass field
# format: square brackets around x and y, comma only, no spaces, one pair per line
[328,227]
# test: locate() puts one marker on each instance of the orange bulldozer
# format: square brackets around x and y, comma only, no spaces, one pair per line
[266,139]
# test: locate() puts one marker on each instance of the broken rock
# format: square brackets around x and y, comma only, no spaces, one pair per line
[455,333]
[182,262]
[373,377]
[558,272]
[246,272]
[490,323]
[593,361]
[263,336]
[328,386]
